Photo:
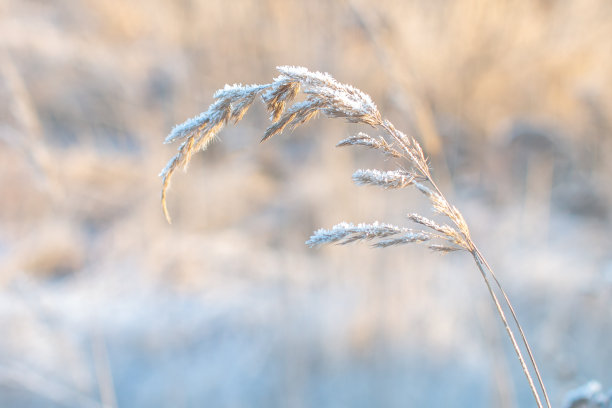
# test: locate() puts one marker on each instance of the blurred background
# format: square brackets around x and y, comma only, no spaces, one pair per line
[102,303]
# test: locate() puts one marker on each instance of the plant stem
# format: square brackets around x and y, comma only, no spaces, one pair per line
[482,263]
[483,266]
[515,318]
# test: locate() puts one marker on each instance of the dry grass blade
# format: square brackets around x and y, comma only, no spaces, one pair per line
[327,96]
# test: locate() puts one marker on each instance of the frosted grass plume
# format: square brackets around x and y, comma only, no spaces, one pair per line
[385,179]
[347,233]
[325,95]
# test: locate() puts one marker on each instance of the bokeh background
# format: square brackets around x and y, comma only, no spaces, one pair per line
[102,303]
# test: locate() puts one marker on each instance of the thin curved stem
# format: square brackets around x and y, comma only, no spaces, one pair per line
[481,263]
[515,318]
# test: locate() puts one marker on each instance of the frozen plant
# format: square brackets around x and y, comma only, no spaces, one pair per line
[336,100]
